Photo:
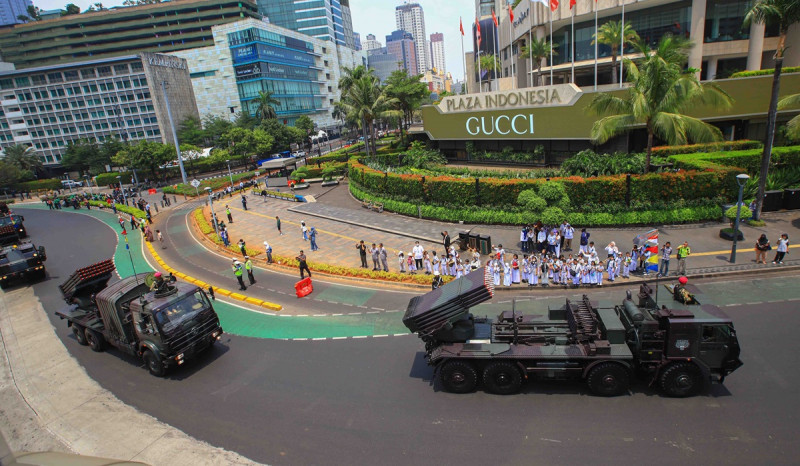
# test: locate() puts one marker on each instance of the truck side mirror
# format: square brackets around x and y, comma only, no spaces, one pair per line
[42,253]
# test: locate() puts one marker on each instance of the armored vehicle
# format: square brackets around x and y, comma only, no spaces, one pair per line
[21,261]
[12,229]
[678,349]
[162,323]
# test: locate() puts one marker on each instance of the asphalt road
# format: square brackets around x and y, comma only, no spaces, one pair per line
[371,401]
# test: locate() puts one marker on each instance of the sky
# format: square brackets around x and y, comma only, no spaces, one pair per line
[377,17]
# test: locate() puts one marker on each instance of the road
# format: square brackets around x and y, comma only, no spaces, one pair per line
[372,401]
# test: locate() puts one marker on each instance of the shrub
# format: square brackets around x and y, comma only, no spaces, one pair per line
[531,201]
[744,144]
[138,213]
[213,183]
[105,179]
[552,192]
[39,185]
[730,214]
[747,74]
[552,216]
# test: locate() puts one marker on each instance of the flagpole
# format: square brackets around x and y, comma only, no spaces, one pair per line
[511,49]
[494,62]
[572,41]
[530,59]
[551,46]
[464,56]
[595,45]
[622,44]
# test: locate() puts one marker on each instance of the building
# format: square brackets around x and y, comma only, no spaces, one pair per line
[10,10]
[371,43]
[437,82]
[357,38]
[122,97]
[321,19]
[721,44]
[410,18]
[437,53]
[402,46]
[160,27]
[251,56]
[383,63]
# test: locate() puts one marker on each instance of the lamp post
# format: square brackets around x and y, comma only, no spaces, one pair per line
[741,180]
[89,184]
[124,199]
[229,172]
[211,203]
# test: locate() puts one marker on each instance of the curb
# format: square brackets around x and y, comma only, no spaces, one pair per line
[204,285]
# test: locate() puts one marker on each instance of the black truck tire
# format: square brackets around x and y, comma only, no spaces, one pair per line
[458,376]
[502,378]
[80,336]
[681,380]
[95,340]
[153,363]
[608,379]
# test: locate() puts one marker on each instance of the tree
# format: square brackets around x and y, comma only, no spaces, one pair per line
[408,94]
[783,13]
[366,100]
[145,155]
[793,126]
[246,120]
[96,7]
[538,50]
[266,105]
[33,14]
[489,63]
[215,126]
[306,125]
[78,155]
[611,34]
[140,2]
[10,174]
[661,92]
[191,131]
[239,142]
[23,157]
[284,136]
[262,142]
[71,9]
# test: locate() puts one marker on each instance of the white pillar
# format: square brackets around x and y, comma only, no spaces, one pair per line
[696,33]
[711,69]
[755,46]
[792,54]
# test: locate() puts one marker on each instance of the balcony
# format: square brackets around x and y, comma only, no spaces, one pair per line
[17,114]
[7,102]
[22,138]
[18,126]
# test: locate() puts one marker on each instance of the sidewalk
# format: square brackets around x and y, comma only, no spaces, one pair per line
[341,222]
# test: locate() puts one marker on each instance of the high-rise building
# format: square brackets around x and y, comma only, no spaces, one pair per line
[357,38]
[402,46]
[371,43]
[437,53]
[11,9]
[321,19]
[383,62]
[410,18]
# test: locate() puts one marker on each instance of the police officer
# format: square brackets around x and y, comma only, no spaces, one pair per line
[228,213]
[238,270]
[248,265]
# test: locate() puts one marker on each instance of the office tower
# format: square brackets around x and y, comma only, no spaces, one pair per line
[437,52]
[10,9]
[357,38]
[321,19]
[402,46]
[410,18]
[371,43]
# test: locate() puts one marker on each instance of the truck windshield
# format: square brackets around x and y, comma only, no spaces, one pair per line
[8,220]
[172,316]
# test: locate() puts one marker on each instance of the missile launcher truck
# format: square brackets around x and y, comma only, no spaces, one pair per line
[677,349]
[12,228]
[164,326]
[24,261]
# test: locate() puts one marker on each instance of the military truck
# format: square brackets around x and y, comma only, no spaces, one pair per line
[21,261]
[677,349]
[12,229]
[160,322]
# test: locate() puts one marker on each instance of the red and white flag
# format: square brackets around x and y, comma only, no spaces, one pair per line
[478,31]
[573,2]
[511,14]
[553,5]
[461,25]
[494,18]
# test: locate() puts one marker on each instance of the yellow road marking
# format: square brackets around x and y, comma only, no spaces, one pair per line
[727,251]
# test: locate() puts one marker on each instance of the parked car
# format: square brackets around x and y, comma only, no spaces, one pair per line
[71,183]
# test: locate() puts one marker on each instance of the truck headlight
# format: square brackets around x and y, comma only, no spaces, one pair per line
[215,334]
[179,357]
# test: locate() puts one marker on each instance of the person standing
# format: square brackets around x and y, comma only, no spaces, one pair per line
[301,260]
[278,222]
[376,253]
[383,257]
[242,247]
[312,236]
[304,230]
[762,246]
[418,251]
[268,250]
[584,242]
[666,251]
[362,252]
[237,272]
[244,202]
[401,259]
[228,213]
[682,253]
[248,266]
[446,242]
[160,239]
[569,233]
[783,248]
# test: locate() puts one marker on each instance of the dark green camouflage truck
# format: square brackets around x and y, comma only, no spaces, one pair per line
[23,261]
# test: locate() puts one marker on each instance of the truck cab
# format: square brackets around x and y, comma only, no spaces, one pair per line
[12,229]
[21,261]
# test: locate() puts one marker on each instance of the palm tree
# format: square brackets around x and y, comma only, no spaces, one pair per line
[784,13]
[366,100]
[793,126]
[538,50]
[23,157]
[265,110]
[409,93]
[661,92]
[611,34]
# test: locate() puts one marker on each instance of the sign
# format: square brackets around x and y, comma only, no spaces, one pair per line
[546,96]
[195,183]
[151,191]
[248,70]
[521,17]
[166,62]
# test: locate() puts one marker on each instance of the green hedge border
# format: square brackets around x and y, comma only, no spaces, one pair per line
[770,71]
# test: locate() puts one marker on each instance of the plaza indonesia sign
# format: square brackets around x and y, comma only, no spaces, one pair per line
[497,115]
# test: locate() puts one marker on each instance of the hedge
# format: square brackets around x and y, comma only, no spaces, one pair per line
[748,160]
[747,74]
[105,179]
[49,184]
[494,216]
[208,229]
[138,213]
[663,151]
[213,183]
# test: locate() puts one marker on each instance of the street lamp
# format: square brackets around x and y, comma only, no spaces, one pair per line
[229,173]
[211,203]
[89,184]
[124,199]
[741,180]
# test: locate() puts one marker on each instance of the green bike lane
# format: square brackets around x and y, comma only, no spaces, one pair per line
[129,256]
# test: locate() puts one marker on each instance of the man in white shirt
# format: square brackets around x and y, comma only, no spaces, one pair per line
[569,233]
[418,250]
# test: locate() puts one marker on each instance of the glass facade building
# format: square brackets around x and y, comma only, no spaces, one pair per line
[321,19]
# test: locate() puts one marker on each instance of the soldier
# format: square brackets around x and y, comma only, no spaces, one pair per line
[237,272]
[248,265]
[301,259]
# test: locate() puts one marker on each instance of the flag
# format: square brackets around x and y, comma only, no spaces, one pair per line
[494,18]
[511,14]
[649,241]
[478,29]
[461,26]
[573,2]
[553,5]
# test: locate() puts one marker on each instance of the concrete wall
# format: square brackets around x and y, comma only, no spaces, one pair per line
[173,71]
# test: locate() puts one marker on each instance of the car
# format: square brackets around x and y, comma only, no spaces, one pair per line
[71,183]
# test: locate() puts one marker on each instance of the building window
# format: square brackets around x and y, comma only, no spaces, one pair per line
[6,83]
[121,69]
[88,73]
[55,77]
[23,81]
[104,71]
[137,66]
[38,79]
[71,75]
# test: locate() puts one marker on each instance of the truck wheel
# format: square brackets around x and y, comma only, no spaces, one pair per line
[681,380]
[95,340]
[80,336]
[502,378]
[458,376]
[153,363]
[608,379]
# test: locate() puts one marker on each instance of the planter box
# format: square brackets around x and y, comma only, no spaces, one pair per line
[301,186]
[330,183]
[727,234]
[791,199]
[773,201]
